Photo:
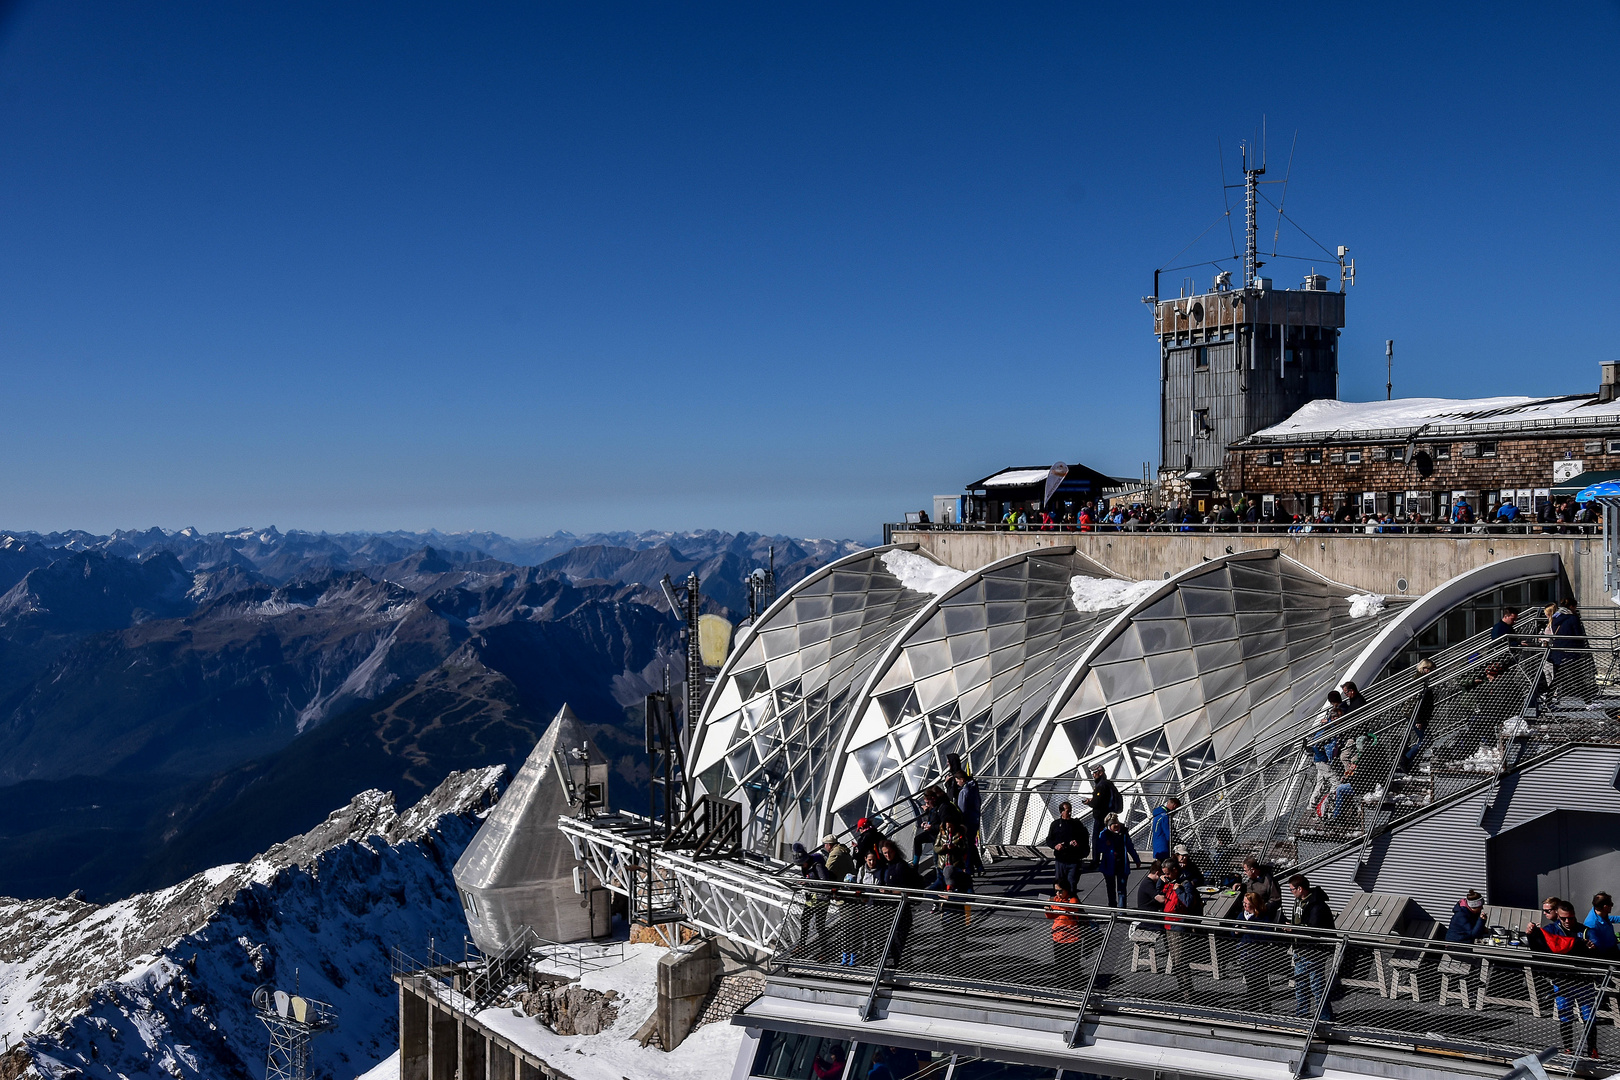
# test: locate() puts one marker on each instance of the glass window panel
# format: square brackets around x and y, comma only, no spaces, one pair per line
[962,618]
[1189,729]
[1171,667]
[1179,699]
[1164,635]
[1123,680]
[1218,655]
[1208,628]
[1127,646]
[1082,730]
[1206,601]
[1138,715]
[928,658]
[1003,586]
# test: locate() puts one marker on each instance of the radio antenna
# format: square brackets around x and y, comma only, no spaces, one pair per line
[1280,202]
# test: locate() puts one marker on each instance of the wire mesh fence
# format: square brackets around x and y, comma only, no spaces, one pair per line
[1495,1003]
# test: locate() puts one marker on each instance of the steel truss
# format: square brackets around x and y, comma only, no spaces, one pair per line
[743,901]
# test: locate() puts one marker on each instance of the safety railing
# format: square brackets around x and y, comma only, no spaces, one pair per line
[1494,1003]
[1314,530]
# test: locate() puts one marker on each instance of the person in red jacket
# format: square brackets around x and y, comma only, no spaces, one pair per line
[1572,995]
[1066,945]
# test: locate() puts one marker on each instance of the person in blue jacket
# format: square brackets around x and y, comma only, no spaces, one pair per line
[1468,919]
[1160,834]
[1600,926]
[1113,846]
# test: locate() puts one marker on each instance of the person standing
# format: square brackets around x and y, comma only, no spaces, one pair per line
[1067,839]
[1573,997]
[1254,955]
[839,862]
[937,807]
[1160,833]
[971,805]
[1351,697]
[1600,927]
[1105,799]
[1311,960]
[1503,627]
[1115,853]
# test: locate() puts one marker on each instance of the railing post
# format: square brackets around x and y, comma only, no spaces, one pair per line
[1321,1007]
[1590,1021]
[1073,1039]
[869,1009]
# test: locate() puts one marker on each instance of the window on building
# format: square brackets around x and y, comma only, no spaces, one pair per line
[1274,458]
[1268,506]
[1336,457]
[1442,451]
[1201,356]
[1614,446]
[1299,457]
[1594,447]
[1487,449]
[1379,453]
[1316,457]
[1352,457]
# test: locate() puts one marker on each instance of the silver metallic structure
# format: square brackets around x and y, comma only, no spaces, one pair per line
[519,871]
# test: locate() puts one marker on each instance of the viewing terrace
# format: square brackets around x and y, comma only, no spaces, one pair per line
[988,974]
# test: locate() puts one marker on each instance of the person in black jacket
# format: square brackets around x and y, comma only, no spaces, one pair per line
[1311,958]
[1148,897]
[937,807]
[1067,839]
[1105,799]
[1468,919]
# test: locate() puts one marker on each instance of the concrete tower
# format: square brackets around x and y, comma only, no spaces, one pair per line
[1234,360]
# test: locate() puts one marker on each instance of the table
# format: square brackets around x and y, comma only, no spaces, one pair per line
[1377,914]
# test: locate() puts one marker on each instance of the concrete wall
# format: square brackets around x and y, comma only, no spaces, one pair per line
[438,1042]
[1374,563]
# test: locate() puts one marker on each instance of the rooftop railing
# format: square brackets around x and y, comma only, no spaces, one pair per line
[1493,1003]
[1314,530]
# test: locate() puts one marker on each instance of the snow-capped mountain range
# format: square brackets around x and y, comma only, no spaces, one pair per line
[160,983]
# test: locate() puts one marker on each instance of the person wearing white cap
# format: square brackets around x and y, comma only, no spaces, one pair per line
[1468,919]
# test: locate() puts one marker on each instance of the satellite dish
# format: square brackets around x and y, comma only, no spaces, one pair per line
[1424,463]
[300,1009]
[1198,312]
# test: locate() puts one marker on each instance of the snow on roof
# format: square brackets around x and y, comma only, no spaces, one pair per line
[1015,477]
[1405,415]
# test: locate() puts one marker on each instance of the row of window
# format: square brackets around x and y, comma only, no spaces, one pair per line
[1438,451]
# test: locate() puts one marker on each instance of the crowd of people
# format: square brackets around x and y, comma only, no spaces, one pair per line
[1241,512]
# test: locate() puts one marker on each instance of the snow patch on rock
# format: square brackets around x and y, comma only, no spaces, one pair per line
[920,574]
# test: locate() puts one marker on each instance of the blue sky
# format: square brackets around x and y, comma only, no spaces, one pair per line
[776,267]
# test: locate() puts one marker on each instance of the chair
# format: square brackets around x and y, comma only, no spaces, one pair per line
[1452,968]
[1214,965]
[1150,940]
[1403,970]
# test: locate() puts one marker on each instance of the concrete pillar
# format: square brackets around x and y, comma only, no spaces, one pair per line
[413,1033]
[472,1053]
[444,1050]
[502,1063]
[685,976]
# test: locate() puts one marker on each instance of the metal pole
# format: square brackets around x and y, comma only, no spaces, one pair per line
[1591,1019]
[1389,371]
[1091,981]
[869,1009]
[1321,1007]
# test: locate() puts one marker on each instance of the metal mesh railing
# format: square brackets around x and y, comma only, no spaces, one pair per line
[1495,1003]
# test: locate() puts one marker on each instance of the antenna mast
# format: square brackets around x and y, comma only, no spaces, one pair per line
[1251,192]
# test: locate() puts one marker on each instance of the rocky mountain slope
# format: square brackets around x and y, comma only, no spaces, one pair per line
[160,983]
[162,693]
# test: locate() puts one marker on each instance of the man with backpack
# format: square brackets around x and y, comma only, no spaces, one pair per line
[1105,799]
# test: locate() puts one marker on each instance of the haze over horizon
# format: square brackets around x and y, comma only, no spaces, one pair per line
[778,270]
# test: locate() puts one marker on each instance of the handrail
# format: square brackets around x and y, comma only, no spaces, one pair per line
[1301,530]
